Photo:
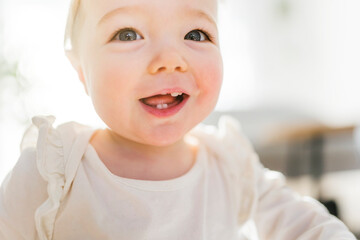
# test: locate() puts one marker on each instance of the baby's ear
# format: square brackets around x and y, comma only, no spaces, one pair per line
[75,62]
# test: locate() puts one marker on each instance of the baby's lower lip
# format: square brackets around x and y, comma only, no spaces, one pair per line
[166,112]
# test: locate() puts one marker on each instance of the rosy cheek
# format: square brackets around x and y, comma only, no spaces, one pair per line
[211,78]
[109,75]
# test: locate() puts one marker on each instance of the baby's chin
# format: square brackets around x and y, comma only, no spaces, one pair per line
[163,139]
[163,143]
[156,137]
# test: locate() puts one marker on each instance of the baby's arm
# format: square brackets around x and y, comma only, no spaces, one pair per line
[21,193]
[285,215]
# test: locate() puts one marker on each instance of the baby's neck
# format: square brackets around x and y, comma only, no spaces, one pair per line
[129,159]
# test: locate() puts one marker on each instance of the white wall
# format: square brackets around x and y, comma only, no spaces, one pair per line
[306,55]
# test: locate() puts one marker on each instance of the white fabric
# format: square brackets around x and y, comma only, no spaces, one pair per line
[60,189]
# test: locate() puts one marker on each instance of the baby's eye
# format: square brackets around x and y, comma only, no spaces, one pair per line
[197,35]
[127,34]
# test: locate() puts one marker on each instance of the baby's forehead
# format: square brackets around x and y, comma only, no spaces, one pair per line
[97,8]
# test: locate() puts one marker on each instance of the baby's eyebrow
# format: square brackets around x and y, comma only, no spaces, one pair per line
[201,14]
[126,9]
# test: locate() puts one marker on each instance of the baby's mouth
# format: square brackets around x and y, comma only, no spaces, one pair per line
[164,101]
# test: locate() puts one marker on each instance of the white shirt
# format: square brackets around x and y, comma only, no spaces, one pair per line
[62,190]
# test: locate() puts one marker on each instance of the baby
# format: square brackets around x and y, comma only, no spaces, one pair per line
[153,71]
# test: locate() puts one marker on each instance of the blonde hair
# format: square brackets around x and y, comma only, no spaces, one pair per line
[72,26]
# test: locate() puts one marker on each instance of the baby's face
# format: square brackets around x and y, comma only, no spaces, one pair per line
[137,56]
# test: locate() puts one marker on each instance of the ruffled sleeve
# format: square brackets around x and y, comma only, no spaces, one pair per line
[58,152]
[50,164]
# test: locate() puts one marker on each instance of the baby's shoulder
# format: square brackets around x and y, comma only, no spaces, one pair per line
[44,172]
[235,154]
[231,149]
[226,140]
[43,133]
[44,150]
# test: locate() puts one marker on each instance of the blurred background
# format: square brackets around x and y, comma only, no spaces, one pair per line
[292,78]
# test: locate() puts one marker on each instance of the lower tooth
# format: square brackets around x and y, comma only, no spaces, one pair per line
[162,106]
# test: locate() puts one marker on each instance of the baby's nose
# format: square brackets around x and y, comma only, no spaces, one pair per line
[168,61]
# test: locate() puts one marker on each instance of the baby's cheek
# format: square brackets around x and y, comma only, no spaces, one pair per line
[211,79]
[107,86]
[108,77]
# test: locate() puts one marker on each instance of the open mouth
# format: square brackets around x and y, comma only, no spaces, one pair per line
[163,105]
[164,101]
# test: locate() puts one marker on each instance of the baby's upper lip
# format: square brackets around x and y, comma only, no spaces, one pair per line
[167,91]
